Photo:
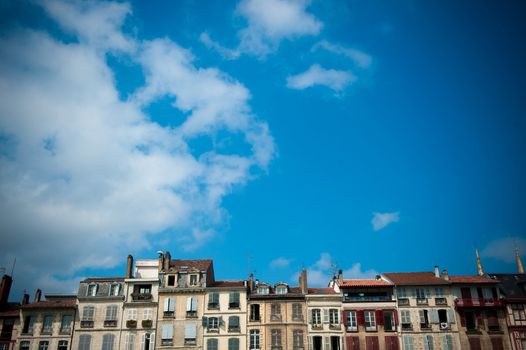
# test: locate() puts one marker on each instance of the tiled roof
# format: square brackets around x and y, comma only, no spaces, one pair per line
[228,284]
[471,280]
[104,279]
[201,265]
[322,291]
[46,304]
[365,283]
[415,278]
[512,285]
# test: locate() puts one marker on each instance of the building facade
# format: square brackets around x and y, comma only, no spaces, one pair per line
[325,321]
[9,315]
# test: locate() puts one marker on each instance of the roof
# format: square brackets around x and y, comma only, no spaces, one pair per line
[201,264]
[415,278]
[225,284]
[46,304]
[9,310]
[322,291]
[512,285]
[366,283]
[472,280]
[104,279]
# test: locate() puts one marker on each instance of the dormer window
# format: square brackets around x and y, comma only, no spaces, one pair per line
[92,290]
[281,289]
[115,289]
[263,289]
[171,280]
[193,280]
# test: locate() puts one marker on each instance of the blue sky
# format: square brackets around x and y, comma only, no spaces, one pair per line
[362,135]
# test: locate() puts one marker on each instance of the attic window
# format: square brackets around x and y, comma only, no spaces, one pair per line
[281,289]
[92,290]
[263,289]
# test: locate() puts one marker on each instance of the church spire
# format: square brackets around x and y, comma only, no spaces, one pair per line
[480,270]
[520,267]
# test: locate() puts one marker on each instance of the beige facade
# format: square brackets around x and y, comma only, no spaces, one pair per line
[225,316]
[325,324]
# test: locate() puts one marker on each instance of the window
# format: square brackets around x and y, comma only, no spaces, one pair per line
[405,316]
[254,339]
[297,339]
[87,313]
[407,342]
[493,320]
[147,314]
[233,324]
[7,329]
[47,324]
[263,289]
[25,345]
[129,341]
[111,312]
[352,324]
[181,280]
[233,300]
[43,345]
[193,280]
[84,342]
[92,290]
[447,342]
[190,330]
[191,307]
[334,318]
[65,324]
[28,325]
[518,312]
[275,312]
[169,307]
[213,301]
[107,341]
[171,280]
[115,289]
[254,312]
[316,317]
[297,314]
[213,323]
[421,295]
[389,320]
[233,344]
[370,321]
[442,315]
[439,292]
[424,319]
[402,293]
[428,342]
[275,338]
[211,344]
[132,314]
[167,334]
[281,289]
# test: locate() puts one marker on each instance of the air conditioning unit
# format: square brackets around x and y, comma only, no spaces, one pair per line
[444,325]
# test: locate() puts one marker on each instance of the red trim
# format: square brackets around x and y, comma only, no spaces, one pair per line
[379,316]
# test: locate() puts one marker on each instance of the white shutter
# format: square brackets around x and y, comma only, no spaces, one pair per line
[451,316]
[310,315]
[422,316]
[166,304]
[167,331]
[189,304]
[327,343]
[143,341]
[310,342]
[190,331]
[325,315]
[152,341]
[433,316]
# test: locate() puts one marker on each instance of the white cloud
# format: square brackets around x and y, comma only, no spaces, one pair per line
[336,80]
[321,272]
[270,21]
[504,249]
[225,52]
[91,175]
[280,262]
[381,220]
[360,58]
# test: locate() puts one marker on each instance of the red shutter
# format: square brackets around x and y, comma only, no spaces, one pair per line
[360,318]
[395,319]
[497,344]
[379,315]
[344,318]
[391,342]
[353,343]
[462,318]
[371,343]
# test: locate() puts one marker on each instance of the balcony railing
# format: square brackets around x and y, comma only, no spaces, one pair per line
[131,324]
[477,302]
[191,314]
[141,296]
[146,323]
[440,301]
[110,323]
[403,301]
[421,301]
[86,324]
[233,305]
[367,298]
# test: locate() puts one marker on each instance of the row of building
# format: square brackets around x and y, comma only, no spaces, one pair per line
[171,304]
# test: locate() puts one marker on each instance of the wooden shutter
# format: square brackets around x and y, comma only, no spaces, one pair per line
[360,318]
[353,343]
[433,316]
[474,343]
[325,315]
[395,317]
[344,318]
[391,342]
[371,343]
[497,343]
[326,343]
[451,316]
[379,315]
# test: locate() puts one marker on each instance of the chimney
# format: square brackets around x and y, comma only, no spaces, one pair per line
[520,267]
[437,271]
[251,282]
[161,260]
[445,275]
[340,277]
[303,281]
[129,266]
[480,270]
[25,299]
[38,296]
[5,288]
[167,259]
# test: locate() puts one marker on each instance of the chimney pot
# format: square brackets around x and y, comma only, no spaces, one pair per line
[167,259]
[38,295]
[129,266]
[445,275]
[5,288]
[437,271]
[25,299]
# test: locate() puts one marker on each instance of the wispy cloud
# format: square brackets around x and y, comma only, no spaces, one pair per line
[270,21]
[359,58]
[336,80]
[504,249]
[382,220]
[225,52]
[321,272]
[88,167]
[280,262]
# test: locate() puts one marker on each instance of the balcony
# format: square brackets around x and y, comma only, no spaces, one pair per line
[403,301]
[407,327]
[168,314]
[131,324]
[275,347]
[47,331]
[440,301]
[144,297]
[189,341]
[425,326]
[334,326]
[234,329]
[421,301]
[233,305]
[146,323]
[213,306]
[275,317]
[86,324]
[65,330]
[191,314]
[167,342]
[355,299]
[110,323]
[477,302]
